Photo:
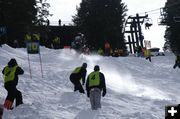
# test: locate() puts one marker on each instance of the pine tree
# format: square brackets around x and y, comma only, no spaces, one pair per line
[17,15]
[20,16]
[172,13]
[43,12]
[100,21]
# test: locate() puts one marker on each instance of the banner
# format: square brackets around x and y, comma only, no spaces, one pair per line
[147,44]
[32,47]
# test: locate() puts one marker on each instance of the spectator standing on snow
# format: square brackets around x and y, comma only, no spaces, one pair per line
[78,74]
[56,43]
[147,54]
[100,51]
[177,62]
[94,85]
[11,72]
[107,48]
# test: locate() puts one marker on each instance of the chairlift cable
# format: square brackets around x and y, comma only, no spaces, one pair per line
[168,6]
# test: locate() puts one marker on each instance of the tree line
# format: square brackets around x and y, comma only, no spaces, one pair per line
[100,20]
[18,17]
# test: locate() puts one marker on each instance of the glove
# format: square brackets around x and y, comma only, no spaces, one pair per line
[104,93]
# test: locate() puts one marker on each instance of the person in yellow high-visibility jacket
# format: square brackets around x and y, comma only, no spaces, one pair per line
[94,85]
[100,51]
[77,75]
[147,54]
[56,43]
[11,72]
[27,37]
[36,37]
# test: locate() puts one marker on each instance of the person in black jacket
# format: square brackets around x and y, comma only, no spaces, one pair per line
[11,72]
[177,61]
[78,74]
[94,85]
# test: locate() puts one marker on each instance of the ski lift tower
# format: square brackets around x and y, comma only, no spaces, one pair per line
[162,18]
[135,37]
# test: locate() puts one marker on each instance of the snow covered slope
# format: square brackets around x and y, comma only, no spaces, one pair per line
[136,88]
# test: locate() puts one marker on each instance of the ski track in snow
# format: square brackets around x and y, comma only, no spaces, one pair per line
[136,88]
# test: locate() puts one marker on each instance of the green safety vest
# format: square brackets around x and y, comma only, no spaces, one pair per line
[77,70]
[37,37]
[56,40]
[94,79]
[27,37]
[100,52]
[9,73]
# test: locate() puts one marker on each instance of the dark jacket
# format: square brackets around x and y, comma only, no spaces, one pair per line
[19,71]
[177,59]
[102,85]
[80,75]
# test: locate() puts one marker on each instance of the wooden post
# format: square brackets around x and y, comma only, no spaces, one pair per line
[29,67]
[140,32]
[132,36]
[41,64]
[136,32]
[129,40]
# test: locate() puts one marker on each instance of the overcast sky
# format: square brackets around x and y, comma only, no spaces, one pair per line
[65,9]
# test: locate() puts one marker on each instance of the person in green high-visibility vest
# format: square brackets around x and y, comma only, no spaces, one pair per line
[96,84]
[77,75]
[11,72]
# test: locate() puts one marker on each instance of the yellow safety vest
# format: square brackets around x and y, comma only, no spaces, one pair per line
[56,40]
[94,79]
[37,37]
[27,37]
[9,73]
[100,52]
[77,70]
[147,53]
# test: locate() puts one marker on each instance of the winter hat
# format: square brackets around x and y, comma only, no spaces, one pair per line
[84,65]
[12,62]
[96,68]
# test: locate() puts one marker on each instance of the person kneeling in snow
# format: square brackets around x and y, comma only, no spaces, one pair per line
[78,74]
[94,85]
[11,72]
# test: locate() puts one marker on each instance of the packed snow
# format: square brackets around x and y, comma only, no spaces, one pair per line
[136,88]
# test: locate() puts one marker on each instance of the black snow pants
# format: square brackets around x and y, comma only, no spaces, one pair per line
[77,83]
[13,94]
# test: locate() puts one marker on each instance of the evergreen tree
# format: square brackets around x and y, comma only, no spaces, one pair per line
[102,20]
[20,16]
[43,12]
[172,20]
[17,15]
